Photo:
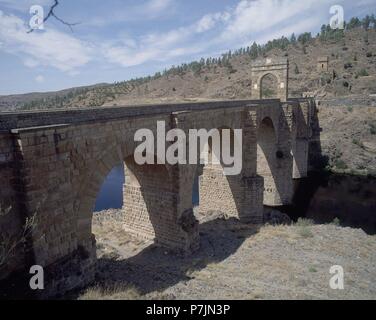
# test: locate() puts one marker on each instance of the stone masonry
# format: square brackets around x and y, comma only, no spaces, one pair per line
[53,163]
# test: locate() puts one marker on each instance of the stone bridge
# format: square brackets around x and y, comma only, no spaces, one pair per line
[53,163]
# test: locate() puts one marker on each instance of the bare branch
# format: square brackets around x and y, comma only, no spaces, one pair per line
[51,13]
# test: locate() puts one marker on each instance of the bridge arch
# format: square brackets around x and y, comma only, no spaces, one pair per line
[150,193]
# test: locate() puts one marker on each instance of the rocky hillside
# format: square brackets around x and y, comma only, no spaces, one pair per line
[352,70]
[348,138]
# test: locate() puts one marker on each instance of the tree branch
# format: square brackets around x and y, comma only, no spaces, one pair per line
[51,13]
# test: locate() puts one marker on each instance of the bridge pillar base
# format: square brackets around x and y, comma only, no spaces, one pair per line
[152,215]
[235,196]
[74,271]
[278,193]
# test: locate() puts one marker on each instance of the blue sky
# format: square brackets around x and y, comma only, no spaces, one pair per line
[117,40]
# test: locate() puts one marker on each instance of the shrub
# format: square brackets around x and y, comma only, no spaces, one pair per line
[362,73]
[340,164]
[108,292]
[372,128]
[335,221]
[358,143]
[304,222]
[305,232]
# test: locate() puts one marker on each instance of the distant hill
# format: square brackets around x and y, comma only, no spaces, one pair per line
[44,99]
[352,71]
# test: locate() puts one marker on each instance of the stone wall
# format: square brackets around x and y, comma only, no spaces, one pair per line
[11,222]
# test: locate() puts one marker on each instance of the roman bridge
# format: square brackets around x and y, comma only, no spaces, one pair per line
[53,163]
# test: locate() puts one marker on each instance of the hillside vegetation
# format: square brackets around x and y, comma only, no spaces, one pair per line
[352,71]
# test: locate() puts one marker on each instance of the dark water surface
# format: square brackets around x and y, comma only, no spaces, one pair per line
[111,194]
[321,197]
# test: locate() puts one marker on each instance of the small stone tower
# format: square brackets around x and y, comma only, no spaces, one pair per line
[322,63]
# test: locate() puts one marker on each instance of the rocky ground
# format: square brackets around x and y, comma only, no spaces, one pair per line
[235,261]
[348,138]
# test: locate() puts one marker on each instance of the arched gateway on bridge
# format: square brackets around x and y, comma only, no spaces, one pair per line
[278,68]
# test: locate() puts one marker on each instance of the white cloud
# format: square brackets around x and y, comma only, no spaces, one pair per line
[39,78]
[209,21]
[158,5]
[250,17]
[149,10]
[162,46]
[246,22]
[240,25]
[42,48]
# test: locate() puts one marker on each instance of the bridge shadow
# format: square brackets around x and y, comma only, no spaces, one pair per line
[306,188]
[317,161]
[155,269]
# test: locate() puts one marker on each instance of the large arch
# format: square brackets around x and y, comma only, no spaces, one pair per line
[243,190]
[150,208]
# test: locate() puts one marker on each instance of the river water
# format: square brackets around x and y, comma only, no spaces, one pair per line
[321,197]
